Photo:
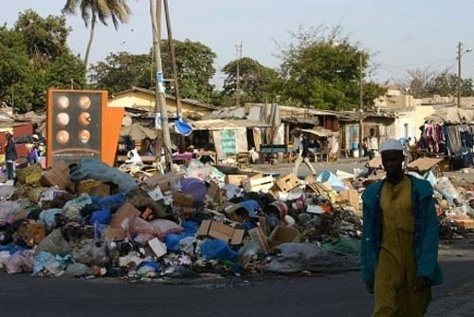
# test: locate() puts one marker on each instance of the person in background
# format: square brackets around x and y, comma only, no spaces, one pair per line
[372,144]
[302,152]
[399,244]
[33,155]
[10,156]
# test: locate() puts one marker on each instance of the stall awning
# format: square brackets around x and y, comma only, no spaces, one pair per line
[322,133]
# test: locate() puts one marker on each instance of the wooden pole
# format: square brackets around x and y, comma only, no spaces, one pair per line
[160,100]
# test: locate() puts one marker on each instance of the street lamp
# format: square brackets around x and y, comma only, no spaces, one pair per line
[460,54]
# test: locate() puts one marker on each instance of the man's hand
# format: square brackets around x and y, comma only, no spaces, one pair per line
[369,287]
[421,283]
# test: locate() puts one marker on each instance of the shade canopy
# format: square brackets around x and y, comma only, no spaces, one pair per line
[138,132]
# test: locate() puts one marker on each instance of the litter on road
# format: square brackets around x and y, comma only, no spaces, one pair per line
[92,220]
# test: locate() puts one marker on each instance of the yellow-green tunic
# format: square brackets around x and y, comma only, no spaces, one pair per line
[396,267]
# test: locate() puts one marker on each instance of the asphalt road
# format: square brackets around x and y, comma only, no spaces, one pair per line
[316,295]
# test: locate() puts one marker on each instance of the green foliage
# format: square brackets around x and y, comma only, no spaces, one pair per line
[33,57]
[321,69]
[194,63]
[93,11]
[120,71]
[446,84]
[257,82]
[195,67]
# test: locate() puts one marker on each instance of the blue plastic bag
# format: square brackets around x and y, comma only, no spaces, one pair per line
[172,240]
[101,216]
[117,199]
[334,181]
[217,249]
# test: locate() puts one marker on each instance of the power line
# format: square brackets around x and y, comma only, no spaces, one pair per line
[417,64]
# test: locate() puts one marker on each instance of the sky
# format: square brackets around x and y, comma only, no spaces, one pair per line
[401,34]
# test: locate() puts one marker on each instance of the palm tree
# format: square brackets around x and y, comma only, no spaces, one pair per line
[93,11]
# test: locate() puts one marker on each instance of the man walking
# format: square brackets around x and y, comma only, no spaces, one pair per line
[399,251]
[10,156]
[302,150]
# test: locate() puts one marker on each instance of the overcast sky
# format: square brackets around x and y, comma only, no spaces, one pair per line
[403,34]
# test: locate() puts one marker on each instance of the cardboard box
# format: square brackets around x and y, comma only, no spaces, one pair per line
[213,229]
[288,182]
[182,199]
[257,236]
[56,175]
[281,235]
[424,164]
[158,247]
[114,234]
[236,179]
[259,184]
[163,181]
[351,196]
[125,212]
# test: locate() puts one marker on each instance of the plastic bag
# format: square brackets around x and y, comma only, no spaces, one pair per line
[343,244]
[19,262]
[50,265]
[7,210]
[77,270]
[47,216]
[165,227]
[431,178]
[79,202]
[333,180]
[55,244]
[91,254]
[94,169]
[296,257]
[6,191]
[186,245]
[102,216]
[448,191]
[217,249]
[141,230]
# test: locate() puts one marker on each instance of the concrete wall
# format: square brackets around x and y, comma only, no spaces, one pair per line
[146,101]
[408,122]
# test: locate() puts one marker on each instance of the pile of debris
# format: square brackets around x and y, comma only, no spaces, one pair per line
[91,220]
[88,219]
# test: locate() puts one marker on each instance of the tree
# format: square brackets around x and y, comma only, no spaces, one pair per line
[93,11]
[120,71]
[34,57]
[195,68]
[446,84]
[257,82]
[321,69]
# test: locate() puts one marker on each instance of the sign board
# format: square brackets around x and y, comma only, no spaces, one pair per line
[81,125]
[74,125]
[228,141]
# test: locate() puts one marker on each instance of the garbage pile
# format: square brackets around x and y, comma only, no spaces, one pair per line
[92,220]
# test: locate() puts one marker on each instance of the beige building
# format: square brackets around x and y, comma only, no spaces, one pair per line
[141,98]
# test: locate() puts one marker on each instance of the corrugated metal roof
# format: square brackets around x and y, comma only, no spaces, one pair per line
[219,124]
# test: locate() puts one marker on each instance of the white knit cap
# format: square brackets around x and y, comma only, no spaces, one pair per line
[391,145]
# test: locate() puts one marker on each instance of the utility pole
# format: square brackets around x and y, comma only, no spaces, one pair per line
[237,85]
[173,59]
[459,73]
[361,103]
[160,101]
[174,69]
